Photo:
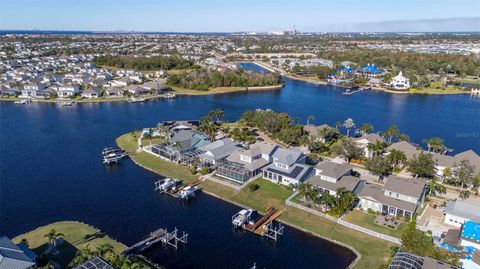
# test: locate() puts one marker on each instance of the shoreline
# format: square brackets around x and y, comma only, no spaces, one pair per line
[150,97]
[321,82]
[224,199]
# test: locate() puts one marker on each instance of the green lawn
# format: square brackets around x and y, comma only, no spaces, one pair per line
[128,142]
[374,252]
[77,236]
[365,219]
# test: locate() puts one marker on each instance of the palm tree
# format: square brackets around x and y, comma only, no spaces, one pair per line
[348,124]
[397,157]
[104,249]
[310,118]
[52,235]
[337,125]
[435,188]
[446,174]
[366,128]
[436,144]
[392,132]
[376,148]
[464,194]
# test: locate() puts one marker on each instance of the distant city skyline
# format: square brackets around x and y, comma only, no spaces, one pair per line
[246,15]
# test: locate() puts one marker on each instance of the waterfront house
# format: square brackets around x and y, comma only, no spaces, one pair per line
[15,256]
[400,82]
[399,197]
[67,90]
[216,151]
[317,132]
[363,141]
[137,90]
[92,93]
[330,176]
[183,147]
[447,161]
[287,168]
[408,149]
[459,212]
[370,70]
[122,82]
[244,164]
[411,261]
[114,92]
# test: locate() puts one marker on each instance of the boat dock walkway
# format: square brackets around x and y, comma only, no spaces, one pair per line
[265,225]
[157,236]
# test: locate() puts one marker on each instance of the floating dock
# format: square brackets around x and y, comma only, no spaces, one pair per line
[264,226]
[158,236]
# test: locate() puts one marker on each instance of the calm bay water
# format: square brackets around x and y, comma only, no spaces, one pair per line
[50,169]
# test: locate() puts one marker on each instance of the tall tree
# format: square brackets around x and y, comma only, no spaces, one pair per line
[464,174]
[422,166]
[366,128]
[348,150]
[348,124]
[397,157]
[379,167]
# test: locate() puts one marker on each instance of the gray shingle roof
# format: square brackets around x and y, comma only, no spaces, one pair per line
[348,182]
[463,209]
[376,192]
[407,186]
[333,170]
[287,156]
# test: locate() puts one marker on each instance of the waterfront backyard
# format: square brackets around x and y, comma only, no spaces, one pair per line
[373,251]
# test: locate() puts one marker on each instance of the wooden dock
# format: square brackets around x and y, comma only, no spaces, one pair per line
[157,236]
[265,227]
[356,91]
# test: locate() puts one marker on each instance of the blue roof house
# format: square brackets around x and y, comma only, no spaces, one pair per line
[470,235]
[15,256]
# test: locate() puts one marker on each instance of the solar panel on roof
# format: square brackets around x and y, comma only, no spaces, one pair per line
[293,174]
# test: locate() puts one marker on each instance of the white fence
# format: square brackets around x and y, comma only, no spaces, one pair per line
[342,222]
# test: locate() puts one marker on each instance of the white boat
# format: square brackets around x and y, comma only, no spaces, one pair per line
[187,192]
[112,155]
[166,185]
[135,99]
[242,217]
[169,96]
[22,101]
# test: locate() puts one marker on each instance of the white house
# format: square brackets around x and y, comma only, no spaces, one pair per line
[363,141]
[400,82]
[67,90]
[91,93]
[458,212]
[288,167]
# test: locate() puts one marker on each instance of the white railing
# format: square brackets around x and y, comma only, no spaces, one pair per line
[341,221]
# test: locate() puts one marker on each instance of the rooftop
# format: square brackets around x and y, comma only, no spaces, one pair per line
[463,209]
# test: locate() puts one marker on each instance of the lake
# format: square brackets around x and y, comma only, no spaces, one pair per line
[51,169]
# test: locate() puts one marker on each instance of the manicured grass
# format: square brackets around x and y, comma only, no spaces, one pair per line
[77,236]
[374,251]
[128,142]
[365,219]
[436,91]
[179,90]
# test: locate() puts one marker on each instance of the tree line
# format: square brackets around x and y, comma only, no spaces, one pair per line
[144,63]
[203,79]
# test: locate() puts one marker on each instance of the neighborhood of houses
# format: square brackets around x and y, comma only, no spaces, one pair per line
[74,76]
[399,197]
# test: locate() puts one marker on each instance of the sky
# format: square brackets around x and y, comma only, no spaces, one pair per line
[241,15]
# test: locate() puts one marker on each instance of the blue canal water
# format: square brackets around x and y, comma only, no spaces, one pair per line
[50,169]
